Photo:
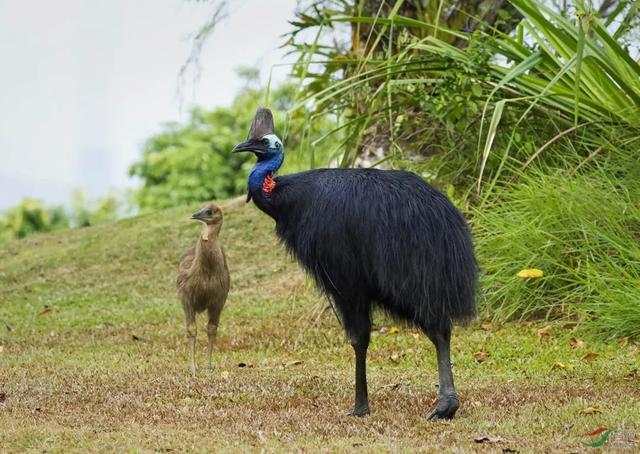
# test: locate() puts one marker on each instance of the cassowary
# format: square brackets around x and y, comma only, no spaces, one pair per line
[203,279]
[371,237]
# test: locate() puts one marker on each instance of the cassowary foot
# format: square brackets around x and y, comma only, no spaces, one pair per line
[359,412]
[446,408]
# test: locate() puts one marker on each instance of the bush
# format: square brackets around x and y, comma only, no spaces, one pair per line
[31,216]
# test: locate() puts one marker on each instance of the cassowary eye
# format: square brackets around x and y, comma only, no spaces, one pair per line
[278,145]
[208,211]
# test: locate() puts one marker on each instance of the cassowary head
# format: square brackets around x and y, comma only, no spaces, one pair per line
[262,140]
[211,214]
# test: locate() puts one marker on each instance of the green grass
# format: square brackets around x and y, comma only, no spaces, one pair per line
[73,377]
[582,232]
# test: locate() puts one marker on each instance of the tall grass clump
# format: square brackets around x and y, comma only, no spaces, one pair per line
[582,232]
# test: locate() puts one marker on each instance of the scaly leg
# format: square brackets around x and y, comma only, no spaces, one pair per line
[212,328]
[448,399]
[358,326]
[212,331]
[192,330]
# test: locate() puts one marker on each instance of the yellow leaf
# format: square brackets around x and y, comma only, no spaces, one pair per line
[591,356]
[590,410]
[623,341]
[225,374]
[486,326]
[394,330]
[530,273]
[481,356]
[558,365]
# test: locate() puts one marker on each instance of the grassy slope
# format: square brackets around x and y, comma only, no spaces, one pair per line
[74,376]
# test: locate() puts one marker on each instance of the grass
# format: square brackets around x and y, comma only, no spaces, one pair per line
[582,232]
[93,357]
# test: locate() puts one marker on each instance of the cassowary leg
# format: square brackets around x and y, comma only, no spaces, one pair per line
[359,331]
[192,330]
[212,329]
[448,399]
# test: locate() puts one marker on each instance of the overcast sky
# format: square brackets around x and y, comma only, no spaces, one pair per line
[84,82]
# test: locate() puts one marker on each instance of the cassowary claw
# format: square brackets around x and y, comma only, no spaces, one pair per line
[446,408]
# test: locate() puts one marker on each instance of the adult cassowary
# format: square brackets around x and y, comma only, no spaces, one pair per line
[371,237]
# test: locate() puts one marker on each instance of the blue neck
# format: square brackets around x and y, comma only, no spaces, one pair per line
[263,168]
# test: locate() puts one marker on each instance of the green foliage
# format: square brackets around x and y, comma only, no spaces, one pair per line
[84,212]
[583,233]
[31,216]
[193,162]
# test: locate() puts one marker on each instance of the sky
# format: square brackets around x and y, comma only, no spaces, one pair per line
[83,83]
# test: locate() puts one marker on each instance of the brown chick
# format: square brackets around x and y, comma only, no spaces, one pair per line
[203,278]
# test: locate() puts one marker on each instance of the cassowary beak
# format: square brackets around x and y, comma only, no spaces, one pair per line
[251,145]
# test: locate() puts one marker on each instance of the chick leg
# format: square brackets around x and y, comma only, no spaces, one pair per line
[192,330]
[212,329]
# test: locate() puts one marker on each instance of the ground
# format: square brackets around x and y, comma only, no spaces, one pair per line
[93,357]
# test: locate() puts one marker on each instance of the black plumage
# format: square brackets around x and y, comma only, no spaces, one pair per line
[375,238]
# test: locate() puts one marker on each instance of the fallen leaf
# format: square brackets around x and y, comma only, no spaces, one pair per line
[225,374]
[568,425]
[383,330]
[138,338]
[486,326]
[633,351]
[394,358]
[489,439]
[394,330]
[591,356]
[295,362]
[631,375]
[623,341]
[544,332]
[558,365]
[576,343]
[590,411]
[598,431]
[245,365]
[45,311]
[481,356]
[530,273]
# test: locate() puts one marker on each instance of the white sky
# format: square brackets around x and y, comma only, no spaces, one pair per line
[84,82]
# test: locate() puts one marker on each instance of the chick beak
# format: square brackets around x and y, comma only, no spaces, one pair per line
[198,215]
